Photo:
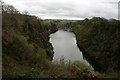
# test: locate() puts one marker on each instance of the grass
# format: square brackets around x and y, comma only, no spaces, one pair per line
[60,29]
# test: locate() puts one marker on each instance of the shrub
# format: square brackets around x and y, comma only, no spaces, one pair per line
[82,65]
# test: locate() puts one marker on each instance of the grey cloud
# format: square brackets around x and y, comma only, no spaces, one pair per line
[68,8]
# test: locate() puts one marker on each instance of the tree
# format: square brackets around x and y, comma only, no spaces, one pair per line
[25,12]
[9,8]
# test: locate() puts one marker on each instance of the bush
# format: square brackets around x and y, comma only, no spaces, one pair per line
[41,55]
[82,65]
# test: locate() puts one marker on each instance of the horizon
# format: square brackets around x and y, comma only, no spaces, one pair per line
[70,10]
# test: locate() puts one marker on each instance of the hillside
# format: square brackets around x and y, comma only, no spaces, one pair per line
[25,41]
[98,39]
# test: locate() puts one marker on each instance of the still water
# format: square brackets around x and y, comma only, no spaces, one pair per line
[64,44]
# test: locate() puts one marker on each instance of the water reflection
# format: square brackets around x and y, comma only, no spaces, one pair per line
[64,44]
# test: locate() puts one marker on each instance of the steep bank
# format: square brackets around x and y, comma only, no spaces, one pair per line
[25,42]
[98,39]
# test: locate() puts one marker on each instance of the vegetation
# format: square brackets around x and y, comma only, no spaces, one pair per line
[25,41]
[98,39]
[27,52]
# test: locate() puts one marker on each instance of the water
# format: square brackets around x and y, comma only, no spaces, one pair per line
[64,44]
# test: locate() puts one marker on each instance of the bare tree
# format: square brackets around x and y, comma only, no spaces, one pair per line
[9,8]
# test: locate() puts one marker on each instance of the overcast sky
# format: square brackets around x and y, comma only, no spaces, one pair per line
[68,9]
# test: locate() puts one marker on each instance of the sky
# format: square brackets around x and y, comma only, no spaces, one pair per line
[67,9]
